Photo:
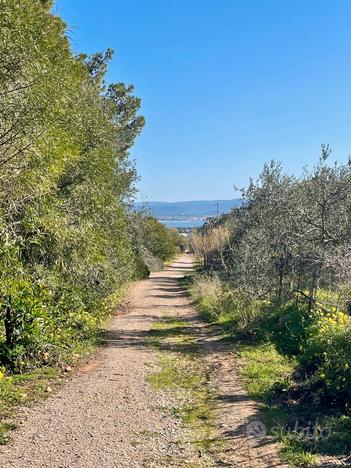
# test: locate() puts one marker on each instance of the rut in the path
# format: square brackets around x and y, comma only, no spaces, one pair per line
[107,415]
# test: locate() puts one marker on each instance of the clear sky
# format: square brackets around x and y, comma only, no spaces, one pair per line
[226,84]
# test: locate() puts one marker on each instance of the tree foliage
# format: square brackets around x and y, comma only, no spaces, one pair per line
[65,185]
[290,237]
[153,243]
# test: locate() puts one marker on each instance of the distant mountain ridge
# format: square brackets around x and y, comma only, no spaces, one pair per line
[189,209]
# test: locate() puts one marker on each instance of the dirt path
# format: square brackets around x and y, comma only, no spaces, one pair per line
[109,415]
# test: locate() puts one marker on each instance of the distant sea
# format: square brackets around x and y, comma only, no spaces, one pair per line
[179,223]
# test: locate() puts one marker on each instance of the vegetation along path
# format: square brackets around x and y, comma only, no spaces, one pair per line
[162,393]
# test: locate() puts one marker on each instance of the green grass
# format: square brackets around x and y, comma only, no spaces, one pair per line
[23,389]
[175,372]
[264,368]
[294,453]
[267,376]
[5,428]
[83,348]
[182,372]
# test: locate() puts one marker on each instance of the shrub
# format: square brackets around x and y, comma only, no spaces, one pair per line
[328,350]
[219,303]
[40,324]
[159,240]
[288,328]
[26,320]
[152,243]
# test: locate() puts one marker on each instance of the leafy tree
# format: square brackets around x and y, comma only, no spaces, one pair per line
[65,184]
[291,236]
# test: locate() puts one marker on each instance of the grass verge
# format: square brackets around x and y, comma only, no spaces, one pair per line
[263,370]
[23,389]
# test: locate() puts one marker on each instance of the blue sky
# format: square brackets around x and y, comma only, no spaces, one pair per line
[226,85]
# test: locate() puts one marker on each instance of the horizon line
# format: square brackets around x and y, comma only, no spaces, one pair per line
[188,201]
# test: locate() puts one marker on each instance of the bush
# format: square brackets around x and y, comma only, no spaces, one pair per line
[328,351]
[152,242]
[287,327]
[159,240]
[40,324]
[219,303]
[26,320]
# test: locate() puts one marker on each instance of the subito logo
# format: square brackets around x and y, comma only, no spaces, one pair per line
[256,429]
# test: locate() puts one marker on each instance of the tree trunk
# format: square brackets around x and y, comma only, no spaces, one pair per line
[281,278]
[313,290]
[9,328]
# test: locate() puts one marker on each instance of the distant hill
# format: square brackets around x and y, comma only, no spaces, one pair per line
[189,209]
